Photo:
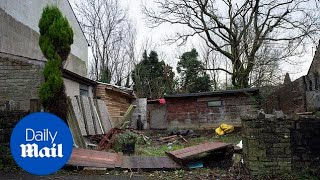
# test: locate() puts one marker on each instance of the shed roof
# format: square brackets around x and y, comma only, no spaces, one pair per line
[212,93]
[78,78]
[120,89]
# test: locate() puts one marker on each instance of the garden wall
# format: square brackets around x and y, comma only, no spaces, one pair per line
[8,120]
[20,79]
[276,143]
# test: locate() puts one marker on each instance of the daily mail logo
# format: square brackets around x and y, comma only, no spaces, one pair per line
[32,150]
[41,143]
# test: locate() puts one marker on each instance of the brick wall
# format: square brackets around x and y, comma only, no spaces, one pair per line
[275,143]
[289,98]
[19,82]
[193,112]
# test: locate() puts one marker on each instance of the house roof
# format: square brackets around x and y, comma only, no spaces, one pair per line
[220,92]
[77,78]
[78,23]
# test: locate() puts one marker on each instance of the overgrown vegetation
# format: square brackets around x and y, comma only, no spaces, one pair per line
[152,78]
[155,149]
[193,77]
[127,137]
[56,37]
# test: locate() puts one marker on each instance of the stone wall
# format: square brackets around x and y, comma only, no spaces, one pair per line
[289,98]
[266,143]
[276,143]
[19,82]
[305,142]
[8,120]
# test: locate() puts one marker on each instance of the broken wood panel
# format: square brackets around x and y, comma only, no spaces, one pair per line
[151,163]
[92,158]
[97,124]
[188,152]
[78,115]
[104,115]
[116,102]
[127,115]
[87,114]
[74,125]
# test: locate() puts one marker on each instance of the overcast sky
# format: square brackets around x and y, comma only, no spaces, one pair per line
[170,53]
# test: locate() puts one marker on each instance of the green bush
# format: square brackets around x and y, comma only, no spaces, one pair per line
[127,137]
[56,38]
[56,35]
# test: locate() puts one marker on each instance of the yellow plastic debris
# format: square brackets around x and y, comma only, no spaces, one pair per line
[219,131]
[227,128]
[224,129]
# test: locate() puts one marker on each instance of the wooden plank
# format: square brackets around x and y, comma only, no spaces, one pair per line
[127,115]
[198,149]
[35,105]
[104,115]
[74,126]
[97,125]
[92,158]
[85,105]
[149,163]
[78,115]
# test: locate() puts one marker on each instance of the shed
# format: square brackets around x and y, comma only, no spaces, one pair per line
[206,110]
[117,98]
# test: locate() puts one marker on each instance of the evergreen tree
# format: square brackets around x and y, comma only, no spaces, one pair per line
[56,37]
[105,75]
[152,78]
[194,78]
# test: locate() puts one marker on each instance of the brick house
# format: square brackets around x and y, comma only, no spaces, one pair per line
[22,61]
[301,95]
[209,109]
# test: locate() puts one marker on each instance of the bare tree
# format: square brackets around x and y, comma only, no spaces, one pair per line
[239,29]
[211,61]
[111,36]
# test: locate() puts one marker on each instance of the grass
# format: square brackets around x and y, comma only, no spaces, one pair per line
[155,149]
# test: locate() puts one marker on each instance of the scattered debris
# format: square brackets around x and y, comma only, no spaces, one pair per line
[186,155]
[108,140]
[224,129]
[238,147]
[92,158]
[100,159]
[187,132]
[194,165]
[149,163]
[171,139]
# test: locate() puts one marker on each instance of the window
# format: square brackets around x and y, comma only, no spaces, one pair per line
[84,90]
[215,103]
